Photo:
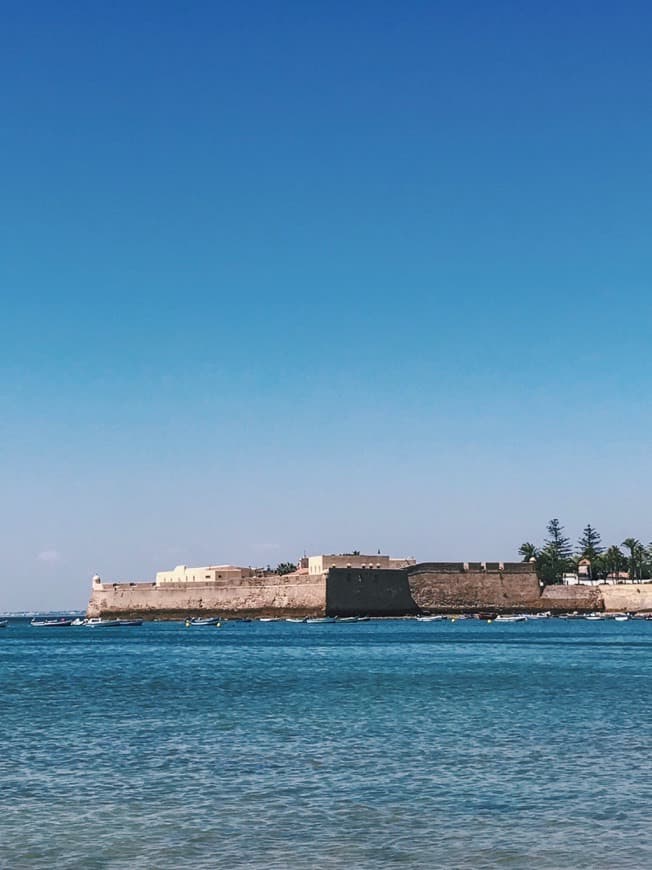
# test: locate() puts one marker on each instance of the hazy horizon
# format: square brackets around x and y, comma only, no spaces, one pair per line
[281,279]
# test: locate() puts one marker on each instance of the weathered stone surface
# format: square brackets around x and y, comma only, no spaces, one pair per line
[273,597]
[569,598]
[449,587]
[628,597]
[358,592]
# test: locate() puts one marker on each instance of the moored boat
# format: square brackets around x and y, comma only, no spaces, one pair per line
[314,620]
[98,622]
[514,618]
[60,622]
[203,620]
[4,623]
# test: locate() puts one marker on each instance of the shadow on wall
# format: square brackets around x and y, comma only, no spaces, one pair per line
[364,592]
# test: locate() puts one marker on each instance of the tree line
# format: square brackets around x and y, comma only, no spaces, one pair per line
[557,556]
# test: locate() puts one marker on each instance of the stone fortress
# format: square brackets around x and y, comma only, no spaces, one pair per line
[356,585]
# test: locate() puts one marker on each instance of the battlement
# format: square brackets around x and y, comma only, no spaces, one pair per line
[526,568]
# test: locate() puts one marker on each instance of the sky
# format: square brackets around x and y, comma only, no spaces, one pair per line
[286,278]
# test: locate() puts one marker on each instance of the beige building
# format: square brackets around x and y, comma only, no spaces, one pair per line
[205,574]
[321,564]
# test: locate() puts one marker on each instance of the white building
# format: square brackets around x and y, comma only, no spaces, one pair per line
[204,574]
[321,564]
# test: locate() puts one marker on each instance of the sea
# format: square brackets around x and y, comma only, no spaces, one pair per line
[379,744]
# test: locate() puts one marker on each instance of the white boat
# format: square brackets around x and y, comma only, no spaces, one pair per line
[545,615]
[294,619]
[314,620]
[515,618]
[594,617]
[4,623]
[621,617]
[435,618]
[203,620]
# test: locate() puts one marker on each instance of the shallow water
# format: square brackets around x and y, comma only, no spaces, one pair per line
[367,745]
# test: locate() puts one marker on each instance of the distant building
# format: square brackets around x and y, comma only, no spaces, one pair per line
[205,574]
[321,564]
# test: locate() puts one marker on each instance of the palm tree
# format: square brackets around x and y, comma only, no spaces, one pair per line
[528,551]
[613,560]
[634,546]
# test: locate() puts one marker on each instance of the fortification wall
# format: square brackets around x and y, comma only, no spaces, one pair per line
[430,586]
[273,597]
[354,592]
[569,598]
[455,586]
[627,597]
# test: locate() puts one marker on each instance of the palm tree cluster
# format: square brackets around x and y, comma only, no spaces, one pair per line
[557,555]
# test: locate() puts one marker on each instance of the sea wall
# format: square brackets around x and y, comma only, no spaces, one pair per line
[354,592]
[255,596]
[564,599]
[453,586]
[627,597]
[444,587]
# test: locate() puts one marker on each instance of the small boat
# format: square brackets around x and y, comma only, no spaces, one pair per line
[545,615]
[352,619]
[621,617]
[515,618]
[78,621]
[129,623]
[4,623]
[594,617]
[320,620]
[434,618]
[294,619]
[203,620]
[61,622]
[98,622]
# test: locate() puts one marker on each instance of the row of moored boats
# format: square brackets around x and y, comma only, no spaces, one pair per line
[92,622]
[218,621]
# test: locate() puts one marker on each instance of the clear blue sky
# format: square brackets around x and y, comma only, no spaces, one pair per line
[318,276]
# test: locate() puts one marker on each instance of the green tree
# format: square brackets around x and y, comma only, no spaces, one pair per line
[528,551]
[613,561]
[590,544]
[635,555]
[286,568]
[556,553]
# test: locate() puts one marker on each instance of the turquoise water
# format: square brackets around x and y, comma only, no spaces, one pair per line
[368,745]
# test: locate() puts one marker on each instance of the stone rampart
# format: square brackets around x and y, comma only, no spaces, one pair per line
[445,587]
[564,599]
[454,586]
[273,597]
[635,597]
[369,592]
